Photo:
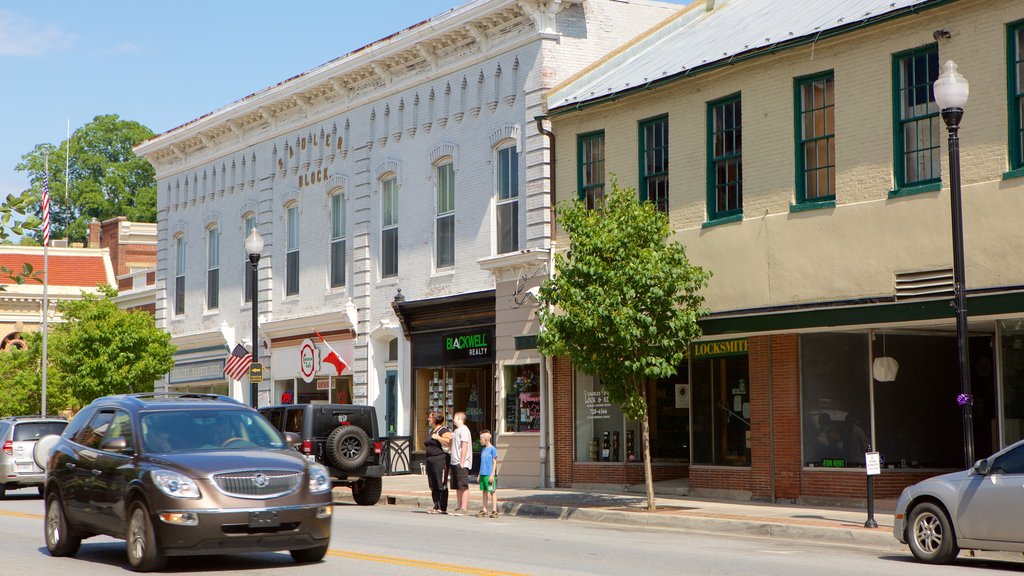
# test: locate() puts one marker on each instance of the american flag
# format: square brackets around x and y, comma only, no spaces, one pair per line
[46,206]
[237,363]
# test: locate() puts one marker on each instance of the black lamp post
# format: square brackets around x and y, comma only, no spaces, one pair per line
[254,246]
[951,91]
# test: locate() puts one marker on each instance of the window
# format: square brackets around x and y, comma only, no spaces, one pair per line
[916,117]
[522,398]
[1015,85]
[815,138]
[725,158]
[212,269]
[337,240]
[249,226]
[389,227]
[835,399]
[508,200]
[721,403]
[590,168]
[292,253]
[445,234]
[179,275]
[654,162]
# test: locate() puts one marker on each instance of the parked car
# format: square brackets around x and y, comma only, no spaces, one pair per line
[18,436]
[976,509]
[183,474]
[342,437]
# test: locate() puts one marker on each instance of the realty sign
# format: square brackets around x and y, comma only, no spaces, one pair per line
[468,345]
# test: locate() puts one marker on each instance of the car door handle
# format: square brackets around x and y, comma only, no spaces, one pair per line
[96,472]
[70,465]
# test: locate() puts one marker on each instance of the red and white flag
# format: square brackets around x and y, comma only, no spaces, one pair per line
[332,357]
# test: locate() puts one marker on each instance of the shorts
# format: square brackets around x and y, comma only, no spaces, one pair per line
[487,485]
[458,477]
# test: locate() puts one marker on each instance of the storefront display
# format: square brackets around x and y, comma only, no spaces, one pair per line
[522,398]
[721,403]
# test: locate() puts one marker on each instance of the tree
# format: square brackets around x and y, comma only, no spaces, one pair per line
[623,303]
[101,349]
[107,178]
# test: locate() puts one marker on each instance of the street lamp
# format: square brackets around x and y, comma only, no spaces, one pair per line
[254,246]
[951,90]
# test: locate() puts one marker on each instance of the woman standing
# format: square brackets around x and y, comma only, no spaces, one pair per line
[437,462]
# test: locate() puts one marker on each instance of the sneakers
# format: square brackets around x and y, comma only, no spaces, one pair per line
[481,514]
[457,512]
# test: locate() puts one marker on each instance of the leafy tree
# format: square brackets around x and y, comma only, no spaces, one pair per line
[107,178]
[623,304]
[101,349]
[22,378]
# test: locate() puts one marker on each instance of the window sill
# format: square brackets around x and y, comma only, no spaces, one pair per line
[210,313]
[812,205]
[443,273]
[722,220]
[291,299]
[917,189]
[337,291]
[1015,173]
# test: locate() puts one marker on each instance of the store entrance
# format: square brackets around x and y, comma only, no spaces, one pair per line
[448,390]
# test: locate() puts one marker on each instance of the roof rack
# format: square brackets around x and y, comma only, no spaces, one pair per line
[28,416]
[195,395]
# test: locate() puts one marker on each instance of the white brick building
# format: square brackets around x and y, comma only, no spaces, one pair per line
[418,158]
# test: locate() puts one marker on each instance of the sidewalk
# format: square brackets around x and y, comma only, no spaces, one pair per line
[834,525]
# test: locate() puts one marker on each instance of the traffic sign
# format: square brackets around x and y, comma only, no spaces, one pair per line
[255,373]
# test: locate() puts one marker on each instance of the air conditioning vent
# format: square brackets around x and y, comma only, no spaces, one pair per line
[59,243]
[924,284]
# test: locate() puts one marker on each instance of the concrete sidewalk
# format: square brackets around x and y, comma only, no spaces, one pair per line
[832,525]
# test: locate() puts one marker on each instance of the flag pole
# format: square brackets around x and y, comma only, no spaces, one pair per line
[46,272]
[67,183]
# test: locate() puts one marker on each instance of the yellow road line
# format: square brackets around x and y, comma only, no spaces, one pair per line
[21,514]
[419,563]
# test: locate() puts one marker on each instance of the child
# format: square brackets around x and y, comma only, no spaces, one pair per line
[488,471]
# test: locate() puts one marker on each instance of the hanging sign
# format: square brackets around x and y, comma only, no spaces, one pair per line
[309,360]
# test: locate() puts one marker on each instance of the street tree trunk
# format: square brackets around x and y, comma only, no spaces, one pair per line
[645,432]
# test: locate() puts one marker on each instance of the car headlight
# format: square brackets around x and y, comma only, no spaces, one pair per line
[319,479]
[175,484]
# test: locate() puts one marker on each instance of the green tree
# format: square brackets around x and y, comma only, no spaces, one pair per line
[107,178]
[623,303]
[101,349]
[22,378]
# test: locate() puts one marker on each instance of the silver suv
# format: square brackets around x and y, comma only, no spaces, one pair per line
[18,436]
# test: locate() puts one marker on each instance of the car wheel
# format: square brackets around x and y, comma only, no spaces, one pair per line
[366,492]
[348,447]
[60,541]
[931,535]
[309,554]
[141,545]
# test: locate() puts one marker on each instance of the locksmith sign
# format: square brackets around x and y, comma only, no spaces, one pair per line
[468,345]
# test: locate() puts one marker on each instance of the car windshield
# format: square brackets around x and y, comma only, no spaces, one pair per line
[170,431]
[36,430]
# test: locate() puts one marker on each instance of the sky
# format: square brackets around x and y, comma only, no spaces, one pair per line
[164,63]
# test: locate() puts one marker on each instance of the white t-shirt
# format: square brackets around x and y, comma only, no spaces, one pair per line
[461,435]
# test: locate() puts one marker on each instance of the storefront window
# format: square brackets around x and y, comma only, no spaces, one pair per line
[322,390]
[835,399]
[522,398]
[600,424]
[721,403]
[451,390]
[1013,381]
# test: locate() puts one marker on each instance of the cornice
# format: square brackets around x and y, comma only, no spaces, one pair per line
[361,76]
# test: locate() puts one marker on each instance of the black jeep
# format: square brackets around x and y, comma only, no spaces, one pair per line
[342,437]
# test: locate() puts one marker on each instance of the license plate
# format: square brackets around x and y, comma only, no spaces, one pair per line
[264,519]
[24,467]
[311,457]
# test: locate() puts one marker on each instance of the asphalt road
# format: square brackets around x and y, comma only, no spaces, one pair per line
[402,541]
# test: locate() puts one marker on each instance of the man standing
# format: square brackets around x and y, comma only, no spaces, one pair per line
[461,462]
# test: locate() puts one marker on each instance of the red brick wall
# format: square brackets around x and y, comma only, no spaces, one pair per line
[721,477]
[623,473]
[785,399]
[563,417]
[853,484]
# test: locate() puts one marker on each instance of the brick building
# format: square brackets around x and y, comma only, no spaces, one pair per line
[799,153]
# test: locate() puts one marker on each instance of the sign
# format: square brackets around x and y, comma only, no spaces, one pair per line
[197,371]
[323,384]
[874,463]
[719,348]
[255,373]
[468,345]
[682,395]
[309,360]
[597,405]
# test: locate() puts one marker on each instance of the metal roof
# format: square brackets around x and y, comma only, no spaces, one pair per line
[697,37]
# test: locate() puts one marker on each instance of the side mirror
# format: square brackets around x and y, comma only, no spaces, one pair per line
[293,439]
[982,467]
[118,444]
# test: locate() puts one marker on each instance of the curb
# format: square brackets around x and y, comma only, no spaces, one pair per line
[847,536]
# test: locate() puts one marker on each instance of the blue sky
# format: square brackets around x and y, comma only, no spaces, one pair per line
[165,63]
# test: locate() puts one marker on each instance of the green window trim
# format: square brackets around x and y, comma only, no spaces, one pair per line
[659,176]
[1015,97]
[590,158]
[933,186]
[803,111]
[933,148]
[812,205]
[730,105]
[1016,173]
[722,220]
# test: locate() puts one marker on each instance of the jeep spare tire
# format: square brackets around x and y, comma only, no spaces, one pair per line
[348,447]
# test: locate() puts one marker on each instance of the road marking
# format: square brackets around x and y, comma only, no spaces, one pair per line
[419,563]
[21,514]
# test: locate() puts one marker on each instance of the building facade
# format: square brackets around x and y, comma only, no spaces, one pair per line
[398,189]
[799,153]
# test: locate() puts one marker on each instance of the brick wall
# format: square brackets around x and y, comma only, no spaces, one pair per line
[623,473]
[842,484]
[721,477]
[563,416]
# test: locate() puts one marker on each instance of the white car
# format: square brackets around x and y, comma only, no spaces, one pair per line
[976,509]
[18,436]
